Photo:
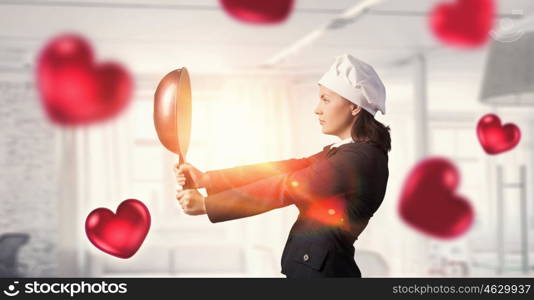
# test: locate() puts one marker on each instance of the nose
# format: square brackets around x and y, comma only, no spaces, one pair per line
[317,110]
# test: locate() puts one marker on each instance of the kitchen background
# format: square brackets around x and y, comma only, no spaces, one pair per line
[254,87]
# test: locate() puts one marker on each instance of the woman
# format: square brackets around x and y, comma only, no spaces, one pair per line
[336,190]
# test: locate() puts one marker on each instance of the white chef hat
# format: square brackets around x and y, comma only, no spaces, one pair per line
[356,81]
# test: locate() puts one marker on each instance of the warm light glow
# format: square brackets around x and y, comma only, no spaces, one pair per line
[329,211]
[234,130]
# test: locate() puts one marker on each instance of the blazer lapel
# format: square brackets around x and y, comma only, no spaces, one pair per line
[331,151]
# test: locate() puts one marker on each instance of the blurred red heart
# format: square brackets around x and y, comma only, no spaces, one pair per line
[428,201]
[73,89]
[119,234]
[261,12]
[495,138]
[465,23]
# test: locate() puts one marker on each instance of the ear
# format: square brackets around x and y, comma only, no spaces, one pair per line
[355,109]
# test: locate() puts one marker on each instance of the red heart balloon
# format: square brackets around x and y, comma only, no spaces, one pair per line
[119,234]
[260,12]
[465,23]
[428,202]
[495,138]
[73,89]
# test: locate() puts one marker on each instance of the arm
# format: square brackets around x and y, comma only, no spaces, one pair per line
[224,179]
[337,175]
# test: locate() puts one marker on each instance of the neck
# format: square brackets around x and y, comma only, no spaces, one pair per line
[345,134]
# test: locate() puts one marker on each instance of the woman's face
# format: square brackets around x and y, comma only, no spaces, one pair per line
[336,114]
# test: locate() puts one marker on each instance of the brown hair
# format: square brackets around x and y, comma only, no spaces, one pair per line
[366,129]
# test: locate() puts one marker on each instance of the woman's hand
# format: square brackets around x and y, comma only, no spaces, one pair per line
[192,202]
[199,178]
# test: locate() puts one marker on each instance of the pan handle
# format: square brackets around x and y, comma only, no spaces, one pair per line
[188,179]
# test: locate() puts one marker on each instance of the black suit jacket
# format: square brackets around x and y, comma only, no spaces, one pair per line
[336,191]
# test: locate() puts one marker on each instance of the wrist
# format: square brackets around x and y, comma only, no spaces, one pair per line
[205,180]
[204,205]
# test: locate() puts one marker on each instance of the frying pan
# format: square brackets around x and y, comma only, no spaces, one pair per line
[172,114]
